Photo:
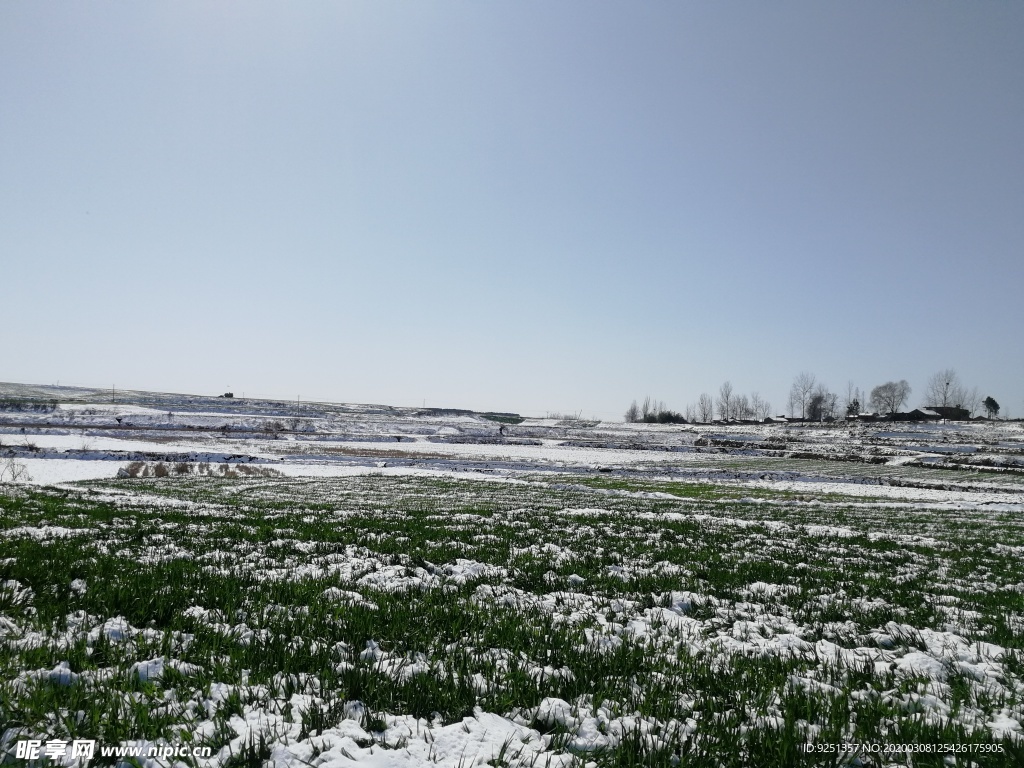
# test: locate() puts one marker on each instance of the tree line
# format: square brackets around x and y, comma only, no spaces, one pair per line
[812,400]
[728,405]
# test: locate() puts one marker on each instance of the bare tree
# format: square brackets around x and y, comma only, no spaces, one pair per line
[800,393]
[971,401]
[944,389]
[741,407]
[890,397]
[762,408]
[725,401]
[821,405]
[652,412]
[755,406]
[705,408]
[831,406]
[633,413]
[13,471]
[853,403]
[690,413]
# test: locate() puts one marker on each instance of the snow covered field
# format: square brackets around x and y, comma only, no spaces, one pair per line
[363,585]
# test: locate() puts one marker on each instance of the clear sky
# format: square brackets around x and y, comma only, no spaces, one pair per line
[522,206]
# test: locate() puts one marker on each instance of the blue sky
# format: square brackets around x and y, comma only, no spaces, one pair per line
[514,206]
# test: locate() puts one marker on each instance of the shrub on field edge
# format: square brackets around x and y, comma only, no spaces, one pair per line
[138,469]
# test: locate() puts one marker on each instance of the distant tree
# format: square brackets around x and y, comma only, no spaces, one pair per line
[822,404]
[633,413]
[691,413]
[741,408]
[800,393]
[705,408]
[725,401]
[646,409]
[816,407]
[944,389]
[831,405]
[760,407]
[653,412]
[852,404]
[890,397]
[991,407]
[665,416]
[971,400]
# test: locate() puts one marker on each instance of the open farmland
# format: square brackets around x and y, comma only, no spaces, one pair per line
[349,585]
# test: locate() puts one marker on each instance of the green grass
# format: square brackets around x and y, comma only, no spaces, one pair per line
[227,579]
[704,491]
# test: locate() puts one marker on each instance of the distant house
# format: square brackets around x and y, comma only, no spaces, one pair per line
[951,412]
[918,414]
[776,420]
[864,416]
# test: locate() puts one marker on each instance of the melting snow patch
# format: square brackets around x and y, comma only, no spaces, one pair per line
[917,664]
[153,669]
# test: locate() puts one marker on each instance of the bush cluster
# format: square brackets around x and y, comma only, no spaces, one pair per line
[184,468]
[653,412]
[664,417]
[27,404]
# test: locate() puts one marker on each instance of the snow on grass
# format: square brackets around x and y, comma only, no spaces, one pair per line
[442,595]
[55,471]
[388,620]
